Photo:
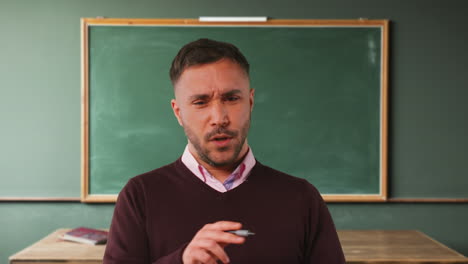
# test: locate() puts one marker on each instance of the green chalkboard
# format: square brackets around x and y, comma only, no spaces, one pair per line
[319,107]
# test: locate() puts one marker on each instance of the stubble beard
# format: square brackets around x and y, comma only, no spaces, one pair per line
[204,153]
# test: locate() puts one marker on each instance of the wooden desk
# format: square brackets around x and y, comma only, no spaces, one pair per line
[391,247]
[52,250]
[360,247]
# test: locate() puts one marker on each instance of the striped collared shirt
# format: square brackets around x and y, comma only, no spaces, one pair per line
[238,176]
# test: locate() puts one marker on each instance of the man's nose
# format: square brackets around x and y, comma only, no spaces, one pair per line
[219,115]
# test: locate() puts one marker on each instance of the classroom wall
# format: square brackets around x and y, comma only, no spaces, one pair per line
[40,108]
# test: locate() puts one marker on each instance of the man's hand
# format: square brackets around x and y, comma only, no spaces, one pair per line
[207,246]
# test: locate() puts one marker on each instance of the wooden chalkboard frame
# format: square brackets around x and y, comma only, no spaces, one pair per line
[87,22]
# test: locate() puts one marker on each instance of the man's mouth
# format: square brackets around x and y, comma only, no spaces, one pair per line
[221,140]
[220,137]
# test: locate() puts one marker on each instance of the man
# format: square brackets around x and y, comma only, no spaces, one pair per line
[180,213]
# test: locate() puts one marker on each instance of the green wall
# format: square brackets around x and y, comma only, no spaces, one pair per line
[40,109]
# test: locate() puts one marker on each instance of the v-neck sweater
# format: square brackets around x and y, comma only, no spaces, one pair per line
[158,213]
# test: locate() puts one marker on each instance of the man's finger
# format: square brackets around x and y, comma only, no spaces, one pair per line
[220,237]
[201,256]
[226,225]
[213,249]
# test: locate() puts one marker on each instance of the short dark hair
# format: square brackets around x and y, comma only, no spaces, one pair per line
[205,51]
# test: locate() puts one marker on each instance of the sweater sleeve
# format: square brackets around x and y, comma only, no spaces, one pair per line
[128,239]
[323,246]
[173,258]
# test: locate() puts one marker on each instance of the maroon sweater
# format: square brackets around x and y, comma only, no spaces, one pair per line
[158,213]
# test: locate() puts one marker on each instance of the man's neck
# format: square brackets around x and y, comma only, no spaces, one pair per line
[221,173]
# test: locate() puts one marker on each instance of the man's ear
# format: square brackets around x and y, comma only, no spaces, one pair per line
[176,110]
[251,98]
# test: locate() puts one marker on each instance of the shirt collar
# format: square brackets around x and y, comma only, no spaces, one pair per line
[240,173]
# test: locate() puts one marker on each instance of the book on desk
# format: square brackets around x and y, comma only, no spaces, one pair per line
[86,235]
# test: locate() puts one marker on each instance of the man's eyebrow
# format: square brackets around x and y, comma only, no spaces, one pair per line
[232,92]
[198,97]
[207,96]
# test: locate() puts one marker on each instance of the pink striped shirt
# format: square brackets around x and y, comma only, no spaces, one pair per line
[238,176]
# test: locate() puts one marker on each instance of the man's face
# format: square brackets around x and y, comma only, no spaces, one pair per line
[213,104]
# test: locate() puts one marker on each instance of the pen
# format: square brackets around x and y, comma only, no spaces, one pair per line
[244,233]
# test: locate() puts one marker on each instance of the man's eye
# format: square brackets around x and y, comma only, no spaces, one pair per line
[199,103]
[232,98]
